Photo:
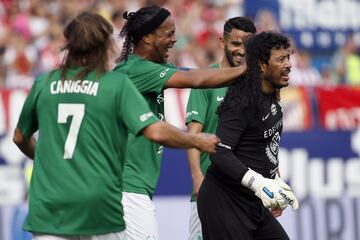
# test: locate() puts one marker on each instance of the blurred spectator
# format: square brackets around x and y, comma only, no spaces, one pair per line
[19,58]
[265,20]
[302,72]
[327,76]
[346,63]
[117,21]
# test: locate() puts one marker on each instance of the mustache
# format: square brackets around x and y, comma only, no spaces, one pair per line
[286,71]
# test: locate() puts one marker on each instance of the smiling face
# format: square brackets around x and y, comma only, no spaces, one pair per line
[162,39]
[234,47]
[276,72]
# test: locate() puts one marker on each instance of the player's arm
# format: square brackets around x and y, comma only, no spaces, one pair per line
[202,78]
[170,136]
[194,158]
[26,145]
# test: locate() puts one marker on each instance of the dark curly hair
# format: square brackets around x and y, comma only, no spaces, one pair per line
[246,91]
[134,21]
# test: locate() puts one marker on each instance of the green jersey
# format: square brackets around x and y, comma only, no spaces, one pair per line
[76,187]
[142,166]
[201,107]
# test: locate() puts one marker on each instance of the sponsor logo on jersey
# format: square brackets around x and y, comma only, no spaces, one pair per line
[274,171]
[265,117]
[145,116]
[160,149]
[161,117]
[163,73]
[220,144]
[160,98]
[271,131]
[188,114]
[219,99]
[273,109]
[273,148]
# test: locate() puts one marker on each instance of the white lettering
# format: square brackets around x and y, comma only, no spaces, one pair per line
[52,88]
[313,14]
[343,118]
[145,116]
[94,89]
[316,177]
[72,86]
[273,129]
[224,145]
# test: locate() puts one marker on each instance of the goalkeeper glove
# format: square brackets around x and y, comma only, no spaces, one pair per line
[266,189]
[287,193]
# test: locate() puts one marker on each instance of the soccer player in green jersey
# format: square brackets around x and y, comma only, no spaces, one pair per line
[83,114]
[202,104]
[149,33]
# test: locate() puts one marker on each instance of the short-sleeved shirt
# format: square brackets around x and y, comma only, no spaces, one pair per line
[76,187]
[142,167]
[201,108]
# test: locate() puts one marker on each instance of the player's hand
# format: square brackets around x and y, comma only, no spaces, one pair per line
[206,142]
[287,193]
[276,212]
[266,189]
[197,180]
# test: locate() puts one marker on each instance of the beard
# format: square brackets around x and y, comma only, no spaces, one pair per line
[228,56]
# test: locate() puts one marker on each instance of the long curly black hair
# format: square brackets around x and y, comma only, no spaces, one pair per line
[246,91]
[134,21]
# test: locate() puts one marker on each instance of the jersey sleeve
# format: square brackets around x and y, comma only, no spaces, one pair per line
[151,77]
[28,121]
[197,106]
[134,110]
[230,129]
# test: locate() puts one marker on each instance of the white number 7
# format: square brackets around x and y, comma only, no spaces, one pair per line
[77,111]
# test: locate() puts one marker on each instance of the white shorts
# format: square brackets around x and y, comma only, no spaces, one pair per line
[195,224]
[109,236]
[140,217]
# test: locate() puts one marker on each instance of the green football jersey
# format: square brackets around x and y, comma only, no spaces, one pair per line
[142,166]
[201,107]
[76,186]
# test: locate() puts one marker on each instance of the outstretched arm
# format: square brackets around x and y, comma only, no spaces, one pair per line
[170,136]
[204,78]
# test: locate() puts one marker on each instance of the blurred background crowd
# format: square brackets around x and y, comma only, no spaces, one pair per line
[31,38]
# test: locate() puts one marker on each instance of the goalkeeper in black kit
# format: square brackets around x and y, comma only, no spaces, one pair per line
[241,184]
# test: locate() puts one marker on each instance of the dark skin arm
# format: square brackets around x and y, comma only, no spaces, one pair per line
[194,158]
[204,78]
[171,136]
[26,145]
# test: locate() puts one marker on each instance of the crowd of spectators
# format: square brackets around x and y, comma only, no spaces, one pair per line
[31,38]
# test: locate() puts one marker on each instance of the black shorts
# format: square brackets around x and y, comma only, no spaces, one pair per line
[226,216]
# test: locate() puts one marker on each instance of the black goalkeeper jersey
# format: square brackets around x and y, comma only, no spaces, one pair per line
[247,141]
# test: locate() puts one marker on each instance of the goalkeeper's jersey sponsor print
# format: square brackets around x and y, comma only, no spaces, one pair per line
[201,107]
[77,183]
[142,168]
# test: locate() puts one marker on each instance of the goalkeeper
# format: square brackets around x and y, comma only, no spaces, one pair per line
[241,184]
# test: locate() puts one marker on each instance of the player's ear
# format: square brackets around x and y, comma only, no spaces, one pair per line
[222,42]
[263,67]
[147,38]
